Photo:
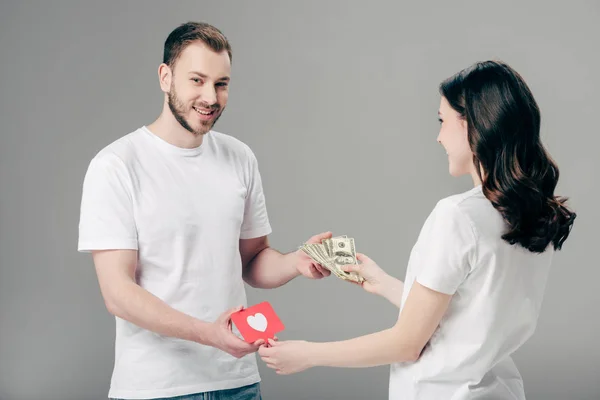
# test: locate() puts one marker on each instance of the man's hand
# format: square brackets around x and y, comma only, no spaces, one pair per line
[306,265]
[222,337]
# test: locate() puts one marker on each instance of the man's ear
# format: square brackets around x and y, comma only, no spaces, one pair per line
[165,77]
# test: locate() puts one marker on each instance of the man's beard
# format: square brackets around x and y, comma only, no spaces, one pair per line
[179,110]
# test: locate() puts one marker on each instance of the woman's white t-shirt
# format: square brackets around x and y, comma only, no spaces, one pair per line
[497,293]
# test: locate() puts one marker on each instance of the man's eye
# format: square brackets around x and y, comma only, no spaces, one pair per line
[222,84]
[197,80]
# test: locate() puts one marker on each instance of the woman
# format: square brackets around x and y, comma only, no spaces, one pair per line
[476,275]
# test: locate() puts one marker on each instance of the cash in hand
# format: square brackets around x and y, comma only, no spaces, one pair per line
[334,253]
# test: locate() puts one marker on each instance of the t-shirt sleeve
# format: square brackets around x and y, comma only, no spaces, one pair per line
[447,249]
[256,220]
[106,213]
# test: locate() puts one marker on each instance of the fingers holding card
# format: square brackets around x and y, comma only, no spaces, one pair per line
[259,322]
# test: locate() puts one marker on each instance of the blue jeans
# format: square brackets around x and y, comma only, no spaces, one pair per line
[250,392]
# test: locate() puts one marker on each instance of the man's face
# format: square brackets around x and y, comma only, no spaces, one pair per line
[199,87]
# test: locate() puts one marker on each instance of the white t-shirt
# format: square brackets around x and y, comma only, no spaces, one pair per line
[184,210]
[497,294]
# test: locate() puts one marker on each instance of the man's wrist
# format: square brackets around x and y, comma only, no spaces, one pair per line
[292,261]
[204,332]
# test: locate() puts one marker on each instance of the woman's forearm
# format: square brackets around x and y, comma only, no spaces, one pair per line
[380,348]
[392,290]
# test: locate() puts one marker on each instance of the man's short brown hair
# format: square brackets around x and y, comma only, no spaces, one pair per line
[189,32]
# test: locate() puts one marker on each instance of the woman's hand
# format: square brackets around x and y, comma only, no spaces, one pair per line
[375,278]
[286,357]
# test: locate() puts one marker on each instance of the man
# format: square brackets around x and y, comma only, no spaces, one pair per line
[175,218]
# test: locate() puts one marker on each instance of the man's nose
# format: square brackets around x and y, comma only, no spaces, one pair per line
[209,94]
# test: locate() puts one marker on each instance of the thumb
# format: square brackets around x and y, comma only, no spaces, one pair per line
[226,316]
[362,257]
[325,235]
[318,238]
[350,268]
[273,343]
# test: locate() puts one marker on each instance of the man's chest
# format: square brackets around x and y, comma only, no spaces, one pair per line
[171,200]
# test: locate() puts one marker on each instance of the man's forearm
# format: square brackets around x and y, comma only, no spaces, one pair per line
[270,269]
[133,303]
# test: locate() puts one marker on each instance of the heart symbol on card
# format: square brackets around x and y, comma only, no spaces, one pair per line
[258,322]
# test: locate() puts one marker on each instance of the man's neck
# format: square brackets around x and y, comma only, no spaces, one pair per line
[168,129]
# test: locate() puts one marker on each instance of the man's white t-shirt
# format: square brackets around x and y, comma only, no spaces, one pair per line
[184,211]
[497,294]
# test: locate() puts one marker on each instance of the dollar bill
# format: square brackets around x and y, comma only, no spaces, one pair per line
[313,251]
[333,254]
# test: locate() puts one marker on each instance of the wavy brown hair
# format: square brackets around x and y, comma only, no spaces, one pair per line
[519,176]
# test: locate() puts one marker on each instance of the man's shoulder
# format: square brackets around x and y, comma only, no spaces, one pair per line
[122,148]
[232,145]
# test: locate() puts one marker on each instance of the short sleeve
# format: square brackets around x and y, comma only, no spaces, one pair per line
[256,220]
[106,213]
[447,249]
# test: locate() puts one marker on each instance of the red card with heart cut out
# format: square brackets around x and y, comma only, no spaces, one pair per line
[257,322]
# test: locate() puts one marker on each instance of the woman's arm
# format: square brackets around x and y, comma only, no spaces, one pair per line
[404,342]
[393,290]
[451,250]
[377,281]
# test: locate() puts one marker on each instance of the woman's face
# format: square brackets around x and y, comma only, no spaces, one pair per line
[453,136]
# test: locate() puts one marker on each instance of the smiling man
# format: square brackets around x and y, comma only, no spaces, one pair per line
[175,218]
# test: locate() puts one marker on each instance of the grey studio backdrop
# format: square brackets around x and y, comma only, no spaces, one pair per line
[338,100]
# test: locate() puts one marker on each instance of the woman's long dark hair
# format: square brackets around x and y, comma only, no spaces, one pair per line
[519,176]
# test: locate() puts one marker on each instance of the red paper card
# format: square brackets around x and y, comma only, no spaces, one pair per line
[257,322]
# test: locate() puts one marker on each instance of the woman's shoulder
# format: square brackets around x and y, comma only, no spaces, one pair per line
[470,202]
[474,208]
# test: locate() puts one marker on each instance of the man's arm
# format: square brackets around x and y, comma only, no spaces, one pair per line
[127,300]
[266,268]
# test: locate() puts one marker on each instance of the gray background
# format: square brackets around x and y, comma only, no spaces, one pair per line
[339,104]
